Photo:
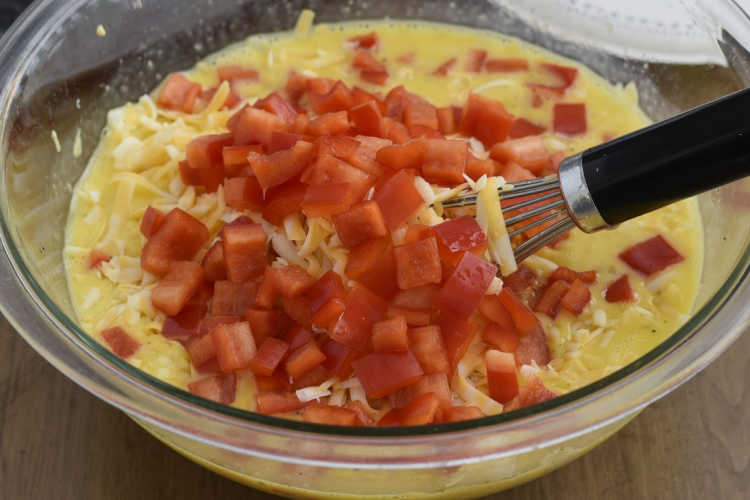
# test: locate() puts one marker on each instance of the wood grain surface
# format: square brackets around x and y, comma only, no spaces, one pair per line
[59,442]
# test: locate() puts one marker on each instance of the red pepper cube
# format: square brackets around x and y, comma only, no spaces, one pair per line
[96,257]
[339,358]
[178,93]
[184,324]
[485,119]
[569,118]
[475,60]
[276,104]
[175,289]
[243,193]
[291,281]
[328,286]
[366,61]
[329,169]
[566,74]
[384,373]
[151,221]
[567,274]
[281,166]
[506,65]
[329,313]
[354,327]
[179,237]
[392,418]
[476,168]
[339,146]
[413,317]
[464,288]
[303,359]
[298,308]
[206,151]
[201,350]
[501,338]
[620,290]
[232,299]
[236,156]
[272,403]
[420,113]
[523,318]
[390,335]
[266,324]
[493,309]
[376,77]
[445,161]
[418,263]
[210,322]
[502,378]
[427,345]
[395,131]
[373,264]
[235,345]
[446,121]
[513,172]
[214,265]
[329,124]
[435,383]
[407,155]
[254,126]
[297,336]
[120,341]
[422,132]
[534,392]
[549,303]
[220,388]
[283,201]
[339,98]
[524,128]
[461,413]
[532,348]
[244,251]
[267,293]
[421,411]
[281,141]
[234,72]
[458,333]
[576,298]
[363,222]
[651,256]
[423,297]
[462,234]
[269,355]
[366,119]
[313,378]
[445,67]
[528,152]
[329,415]
[328,199]
[398,199]
[366,41]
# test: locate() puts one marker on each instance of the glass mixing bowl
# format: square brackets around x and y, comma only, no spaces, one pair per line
[58,78]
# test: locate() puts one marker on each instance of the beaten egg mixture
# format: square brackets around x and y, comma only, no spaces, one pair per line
[135,165]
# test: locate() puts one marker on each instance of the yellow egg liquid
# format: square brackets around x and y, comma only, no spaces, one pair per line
[135,166]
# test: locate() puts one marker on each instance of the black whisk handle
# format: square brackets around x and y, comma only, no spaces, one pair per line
[671,160]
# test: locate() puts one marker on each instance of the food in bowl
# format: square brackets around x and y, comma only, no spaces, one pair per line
[266,230]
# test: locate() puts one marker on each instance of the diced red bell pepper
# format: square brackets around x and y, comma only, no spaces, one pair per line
[398,199]
[234,72]
[525,284]
[421,411]
[377,77]
[178,93]
[296,85]
[485,119]
[458,334]
[362,96]
[532,348]
[367,119]
[303,359]
[339,358]
[340,146]
[297,336]
[523,128]
[281,166]
[423,297]
[576,298]
[354,327]
[267,293]
[569,118]
[362,222]
[392,418]
[651,256]
[328,170]
[243,193]
[313,378]
[201,350]
[501,338]
[328,199]
[254,126]
[210,322]
[422,132]
[320,85]
[189,175]
[384,373]
[271,403]
[476,168]
[461,234]
[549,304]
[620,290]
[298,308]
[566,74]
[329,415]
[232,299]
[329,286]
[426,343]
[283,140]
[277,382]
[445,67]
[534,392]
[179,237]
[371,70]
[173,291]
[461,413]
[184,324]
[413,317]
[283,201]
[569,275]
[505,65]
[435,383]
[329,314]
[96,257]
[291,281]
[395,131]
[420,113]
[408,155]
[266,324]
[363,418]
[475,60]
[206,151]
[366,41]
[151,221]
[269,355]
[494,310]
[418,264]
[446,121]
[244,251]
[502,378]
[465,287]
[220,388]
[373,264]
[417,232]
[444,161]
[329,124]
[120,341]
[276,104]
[513,172]
[339,98]
[529,152]
[235,345]
[522,316]
[390,335]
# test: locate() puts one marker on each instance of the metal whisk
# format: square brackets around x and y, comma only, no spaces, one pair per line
[688,154]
